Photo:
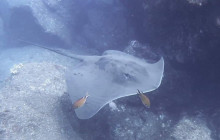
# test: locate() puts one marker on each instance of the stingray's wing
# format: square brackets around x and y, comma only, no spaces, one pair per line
[111,77]
[156,74]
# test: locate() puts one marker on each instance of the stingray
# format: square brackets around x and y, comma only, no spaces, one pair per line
[108,77]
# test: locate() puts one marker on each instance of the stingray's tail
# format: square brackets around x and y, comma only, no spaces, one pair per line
[52,49]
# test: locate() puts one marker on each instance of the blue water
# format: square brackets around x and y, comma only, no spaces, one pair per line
[38,37]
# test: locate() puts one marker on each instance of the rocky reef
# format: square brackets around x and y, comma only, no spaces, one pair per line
[185,32]
[31,104]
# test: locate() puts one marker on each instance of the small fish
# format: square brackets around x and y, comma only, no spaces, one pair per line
[80,102]
[145,100]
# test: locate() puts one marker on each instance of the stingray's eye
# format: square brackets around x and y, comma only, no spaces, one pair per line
[127,76]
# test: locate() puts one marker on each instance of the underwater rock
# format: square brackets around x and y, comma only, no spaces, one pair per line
[180,36]
[72,23]
[50,21]
[100,32]
[198,2]
[139,50]
[25,55]
[214,123]
[191,129]
[131,123]
[113,106]
[34,109]
[14,70]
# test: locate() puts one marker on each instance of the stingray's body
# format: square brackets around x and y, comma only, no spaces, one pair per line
[108,77]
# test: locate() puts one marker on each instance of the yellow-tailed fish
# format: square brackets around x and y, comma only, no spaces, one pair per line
[80,102]
[145,100]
